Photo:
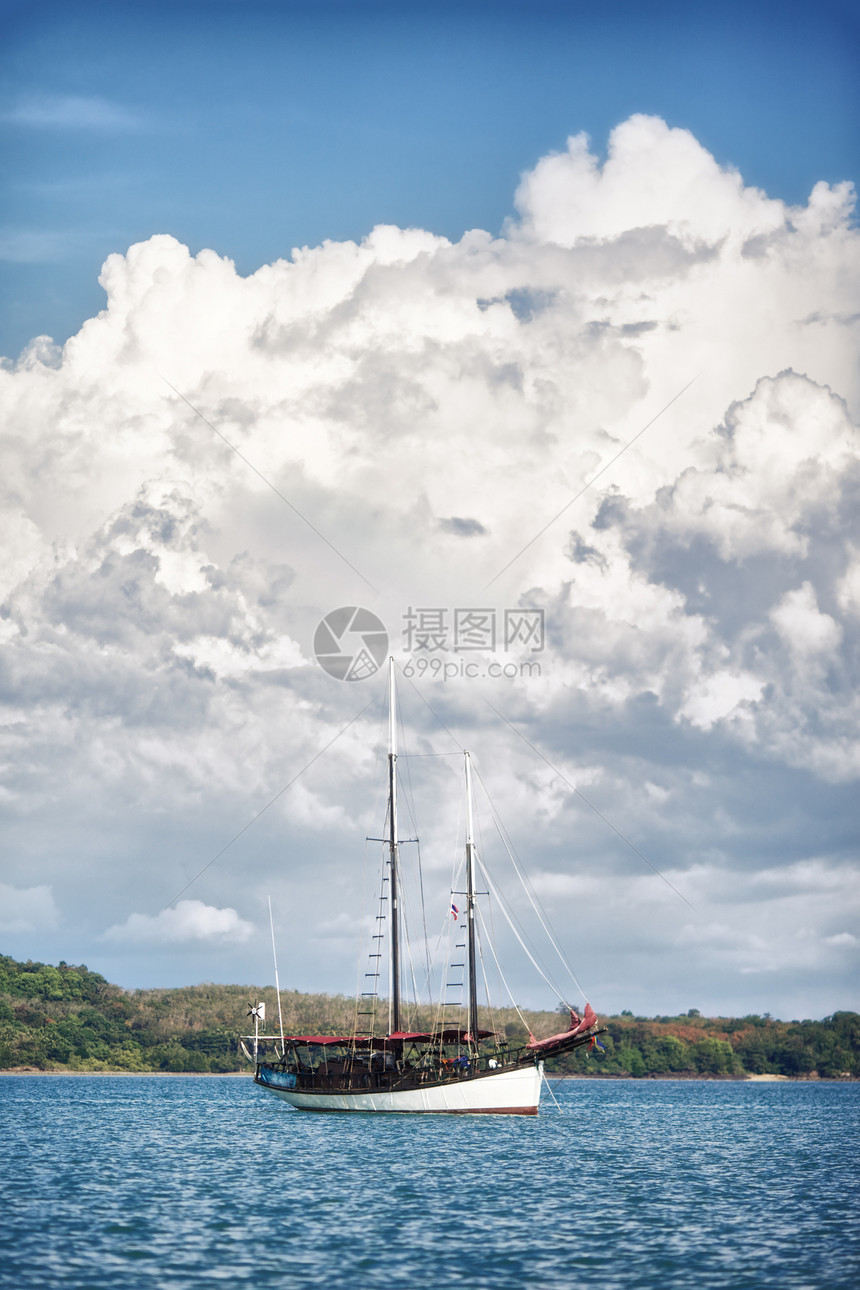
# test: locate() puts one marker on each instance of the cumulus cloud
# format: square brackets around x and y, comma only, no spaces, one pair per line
[803,627]
[659,177]
[433,412]
[190,920]
[27,909]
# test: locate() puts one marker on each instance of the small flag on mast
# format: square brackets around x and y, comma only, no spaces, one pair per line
[455,913]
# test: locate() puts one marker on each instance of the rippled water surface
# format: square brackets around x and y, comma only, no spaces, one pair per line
[181,1182]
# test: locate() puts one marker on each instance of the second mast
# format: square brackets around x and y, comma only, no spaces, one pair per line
[393,858]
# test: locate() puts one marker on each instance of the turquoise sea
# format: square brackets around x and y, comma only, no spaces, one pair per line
[128,1182]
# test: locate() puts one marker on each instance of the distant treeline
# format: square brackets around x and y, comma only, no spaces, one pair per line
[68,1018]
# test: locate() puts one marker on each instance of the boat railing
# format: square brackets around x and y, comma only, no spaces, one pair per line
[323,1067]
[356,1072]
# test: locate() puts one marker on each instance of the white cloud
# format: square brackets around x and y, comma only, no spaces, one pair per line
[73,112]
[27,909]
[718,696]
[654,176]
[190,920]
[848,587]
[429,407]
[803,627]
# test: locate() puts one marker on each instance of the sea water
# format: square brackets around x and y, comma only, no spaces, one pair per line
[133,1182]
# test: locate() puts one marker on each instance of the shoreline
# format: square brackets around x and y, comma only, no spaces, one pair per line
[27,1072]
[34,1070]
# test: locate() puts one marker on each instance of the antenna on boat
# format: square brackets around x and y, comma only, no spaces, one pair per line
[277,982]
[394,993]
[258,1012]
[470,907]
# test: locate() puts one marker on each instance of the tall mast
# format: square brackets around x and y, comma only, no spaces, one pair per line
[394,1004]
[470,908]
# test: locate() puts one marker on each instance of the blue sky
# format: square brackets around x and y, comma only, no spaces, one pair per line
[253,128]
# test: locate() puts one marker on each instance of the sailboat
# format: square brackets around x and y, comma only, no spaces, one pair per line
[452,1069]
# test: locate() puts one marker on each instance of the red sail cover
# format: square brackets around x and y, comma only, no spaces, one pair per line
[399,1037]
[577,1027]
[588,1020]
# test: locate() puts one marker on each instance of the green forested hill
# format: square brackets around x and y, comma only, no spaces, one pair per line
[68,1018]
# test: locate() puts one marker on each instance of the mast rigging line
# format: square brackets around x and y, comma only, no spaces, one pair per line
[590,805]
[523,936]
[526,942]
[277,982]
[271,803]
[561,776]
[549,1089]
[410,806]
[528,888]
[495,892]
[360,935]
[504,980]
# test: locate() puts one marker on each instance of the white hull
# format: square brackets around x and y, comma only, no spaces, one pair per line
[514,1092]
